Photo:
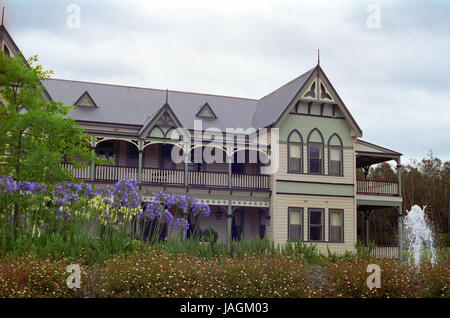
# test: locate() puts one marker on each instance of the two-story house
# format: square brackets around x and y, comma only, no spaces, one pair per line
[282,166]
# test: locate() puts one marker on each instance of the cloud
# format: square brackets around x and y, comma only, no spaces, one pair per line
[394,79]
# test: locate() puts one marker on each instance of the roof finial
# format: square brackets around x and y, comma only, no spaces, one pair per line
[167,96]
[318,57]
[3,14]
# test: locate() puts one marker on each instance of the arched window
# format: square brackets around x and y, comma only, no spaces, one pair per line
[335,156]
[315,152]
[295,152]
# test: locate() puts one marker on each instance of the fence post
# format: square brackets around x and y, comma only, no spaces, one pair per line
[92,172]
[140,166]
[186,167]
[400,233]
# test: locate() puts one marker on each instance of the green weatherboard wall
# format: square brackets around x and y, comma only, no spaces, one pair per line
[327,126]
[314,188]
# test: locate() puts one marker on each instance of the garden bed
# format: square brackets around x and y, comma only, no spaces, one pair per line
[151,272]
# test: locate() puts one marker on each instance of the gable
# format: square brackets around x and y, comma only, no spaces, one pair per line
[206,112]
[161,125]
[318,98]
[85,100]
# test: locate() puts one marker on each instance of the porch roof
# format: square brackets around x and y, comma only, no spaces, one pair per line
[368,154]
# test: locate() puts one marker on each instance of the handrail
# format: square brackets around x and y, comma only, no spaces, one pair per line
[378,187]
[372,180]
[173,176]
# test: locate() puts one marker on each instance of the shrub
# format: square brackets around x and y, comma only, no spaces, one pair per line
[363,251]
[308,253]
[444,240]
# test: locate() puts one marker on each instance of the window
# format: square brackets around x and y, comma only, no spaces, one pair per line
[335,154]
[336,225]
[295,151]
[315,152]
[316,224]
[295,220]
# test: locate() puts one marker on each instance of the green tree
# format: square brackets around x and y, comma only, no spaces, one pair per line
[36,133]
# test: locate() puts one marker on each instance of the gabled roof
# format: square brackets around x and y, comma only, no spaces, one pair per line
[151,121]
[272,106]
[133,105]
[138,106]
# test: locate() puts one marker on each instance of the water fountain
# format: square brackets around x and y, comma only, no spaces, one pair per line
[418,236]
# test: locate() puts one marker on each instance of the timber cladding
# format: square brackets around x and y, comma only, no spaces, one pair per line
[347,204]
[348,165]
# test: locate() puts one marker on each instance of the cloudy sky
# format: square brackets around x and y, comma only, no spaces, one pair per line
[393,73]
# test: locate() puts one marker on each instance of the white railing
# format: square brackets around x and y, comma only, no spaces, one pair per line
[212,179]
[115,173]
[162,176]
[386,251]
[78,173]
[255,181]
[377,187]
[172,176]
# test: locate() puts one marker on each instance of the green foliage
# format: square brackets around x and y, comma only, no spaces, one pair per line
[444,240]
[35,132]
[335,257]
[309,253]
[83,234]
[207,235]
[363,251]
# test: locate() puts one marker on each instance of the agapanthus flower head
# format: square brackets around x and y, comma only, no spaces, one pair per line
[201,209]
[180,224]
[166,217]
[7,185]
[126,194]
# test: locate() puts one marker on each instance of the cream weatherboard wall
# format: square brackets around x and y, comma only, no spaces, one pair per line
[324,202]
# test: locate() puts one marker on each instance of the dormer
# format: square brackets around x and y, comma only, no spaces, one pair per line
[85,100]
[206,112]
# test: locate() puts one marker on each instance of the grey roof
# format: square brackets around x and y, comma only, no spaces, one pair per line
[271,106]
[138,106]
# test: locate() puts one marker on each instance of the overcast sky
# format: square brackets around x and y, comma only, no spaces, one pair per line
[394,76]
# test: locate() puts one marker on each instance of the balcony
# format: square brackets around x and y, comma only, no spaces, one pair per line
[373,187]
[173,177]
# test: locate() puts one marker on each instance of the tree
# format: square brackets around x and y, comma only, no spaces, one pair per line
[36,133]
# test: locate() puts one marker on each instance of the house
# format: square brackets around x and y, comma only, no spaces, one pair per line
[282,166]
